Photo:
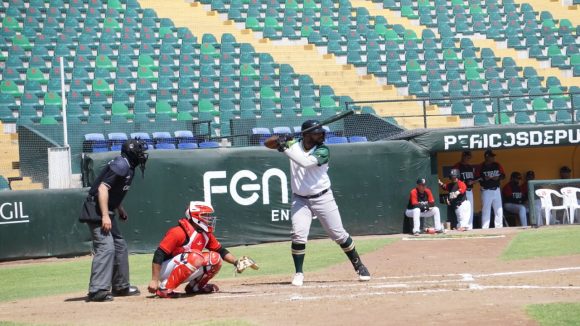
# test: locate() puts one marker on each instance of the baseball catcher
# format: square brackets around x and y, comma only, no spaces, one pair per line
[181,258]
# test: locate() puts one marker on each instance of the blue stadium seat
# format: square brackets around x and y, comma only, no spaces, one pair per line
[357,139]
[336,140]
[209,144]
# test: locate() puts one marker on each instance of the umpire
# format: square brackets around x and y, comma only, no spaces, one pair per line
[110,267]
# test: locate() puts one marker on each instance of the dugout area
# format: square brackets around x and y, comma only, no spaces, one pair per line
[544,149]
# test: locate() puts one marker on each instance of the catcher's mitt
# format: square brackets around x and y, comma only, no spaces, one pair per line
[244,262]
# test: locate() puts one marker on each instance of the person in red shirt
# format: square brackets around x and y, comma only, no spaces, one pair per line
[514,198]
[457,199]
[180,257]
[422,204]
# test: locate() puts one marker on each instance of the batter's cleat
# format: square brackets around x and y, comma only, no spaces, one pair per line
[100,296]
[127,292]
[363,273]
[298,279]
[440,231]
[166,294]
[416,233]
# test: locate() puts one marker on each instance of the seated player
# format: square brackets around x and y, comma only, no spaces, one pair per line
[514,198]
[180,257]
[422,204]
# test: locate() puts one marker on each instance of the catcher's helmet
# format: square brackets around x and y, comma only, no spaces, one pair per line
[201,214]
[454,173]
[134,151]
[313,123]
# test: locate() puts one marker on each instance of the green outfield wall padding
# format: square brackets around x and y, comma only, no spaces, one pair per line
[42,223]
[249,188]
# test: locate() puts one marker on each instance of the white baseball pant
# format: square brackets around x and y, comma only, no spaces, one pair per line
[463,213]
[416,214]
[469,196]
[519,209]
[539,212]
[491,199]
[325,209]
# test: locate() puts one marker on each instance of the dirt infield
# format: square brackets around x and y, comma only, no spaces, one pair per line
[449,282]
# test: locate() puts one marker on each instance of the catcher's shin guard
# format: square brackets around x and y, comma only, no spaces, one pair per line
[211,266]
[191,263]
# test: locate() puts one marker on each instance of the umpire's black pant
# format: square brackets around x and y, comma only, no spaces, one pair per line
[110,266]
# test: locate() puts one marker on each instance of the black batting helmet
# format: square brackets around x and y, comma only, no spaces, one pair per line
[312,123]
[454,173]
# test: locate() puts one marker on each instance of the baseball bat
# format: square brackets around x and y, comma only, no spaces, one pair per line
[330,120]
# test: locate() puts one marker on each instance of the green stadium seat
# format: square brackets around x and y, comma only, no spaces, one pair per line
[36,74]
[544,117]
[97,109]
[22,41]
[519,105]
[267,92]
[146,73]
[121,109]
[478,106]
[52,98]
[502,119]
[539,104]
[308,112]
[101,85]
[458,108]
[522,118]
[184,116]
[48,121]
[103,61]
[563,116]
[481,120]
[556,92]
[205,105]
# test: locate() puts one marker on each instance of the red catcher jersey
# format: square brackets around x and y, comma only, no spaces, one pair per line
[184,238]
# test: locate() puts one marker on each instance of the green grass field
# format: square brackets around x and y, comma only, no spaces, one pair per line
[555,314]
[69,276]
[544,242]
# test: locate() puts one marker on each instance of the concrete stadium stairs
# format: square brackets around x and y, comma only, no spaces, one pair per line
[305,59]
[9,158]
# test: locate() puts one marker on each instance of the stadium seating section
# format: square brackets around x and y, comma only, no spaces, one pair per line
[125,66]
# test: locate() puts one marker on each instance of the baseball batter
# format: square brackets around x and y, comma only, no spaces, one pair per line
[457,199]
[312,196]
[490,173]
[467,175]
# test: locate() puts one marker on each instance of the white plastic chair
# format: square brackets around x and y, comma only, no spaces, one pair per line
[547,205]
[571,200]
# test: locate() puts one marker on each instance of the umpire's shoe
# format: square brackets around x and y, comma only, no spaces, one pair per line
[127,292]
[100,296]
[363,273]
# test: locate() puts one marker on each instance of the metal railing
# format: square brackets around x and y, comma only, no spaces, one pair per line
[498,110]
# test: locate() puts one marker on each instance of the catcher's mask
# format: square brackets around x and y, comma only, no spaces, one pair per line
[134,151]
[201,214]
